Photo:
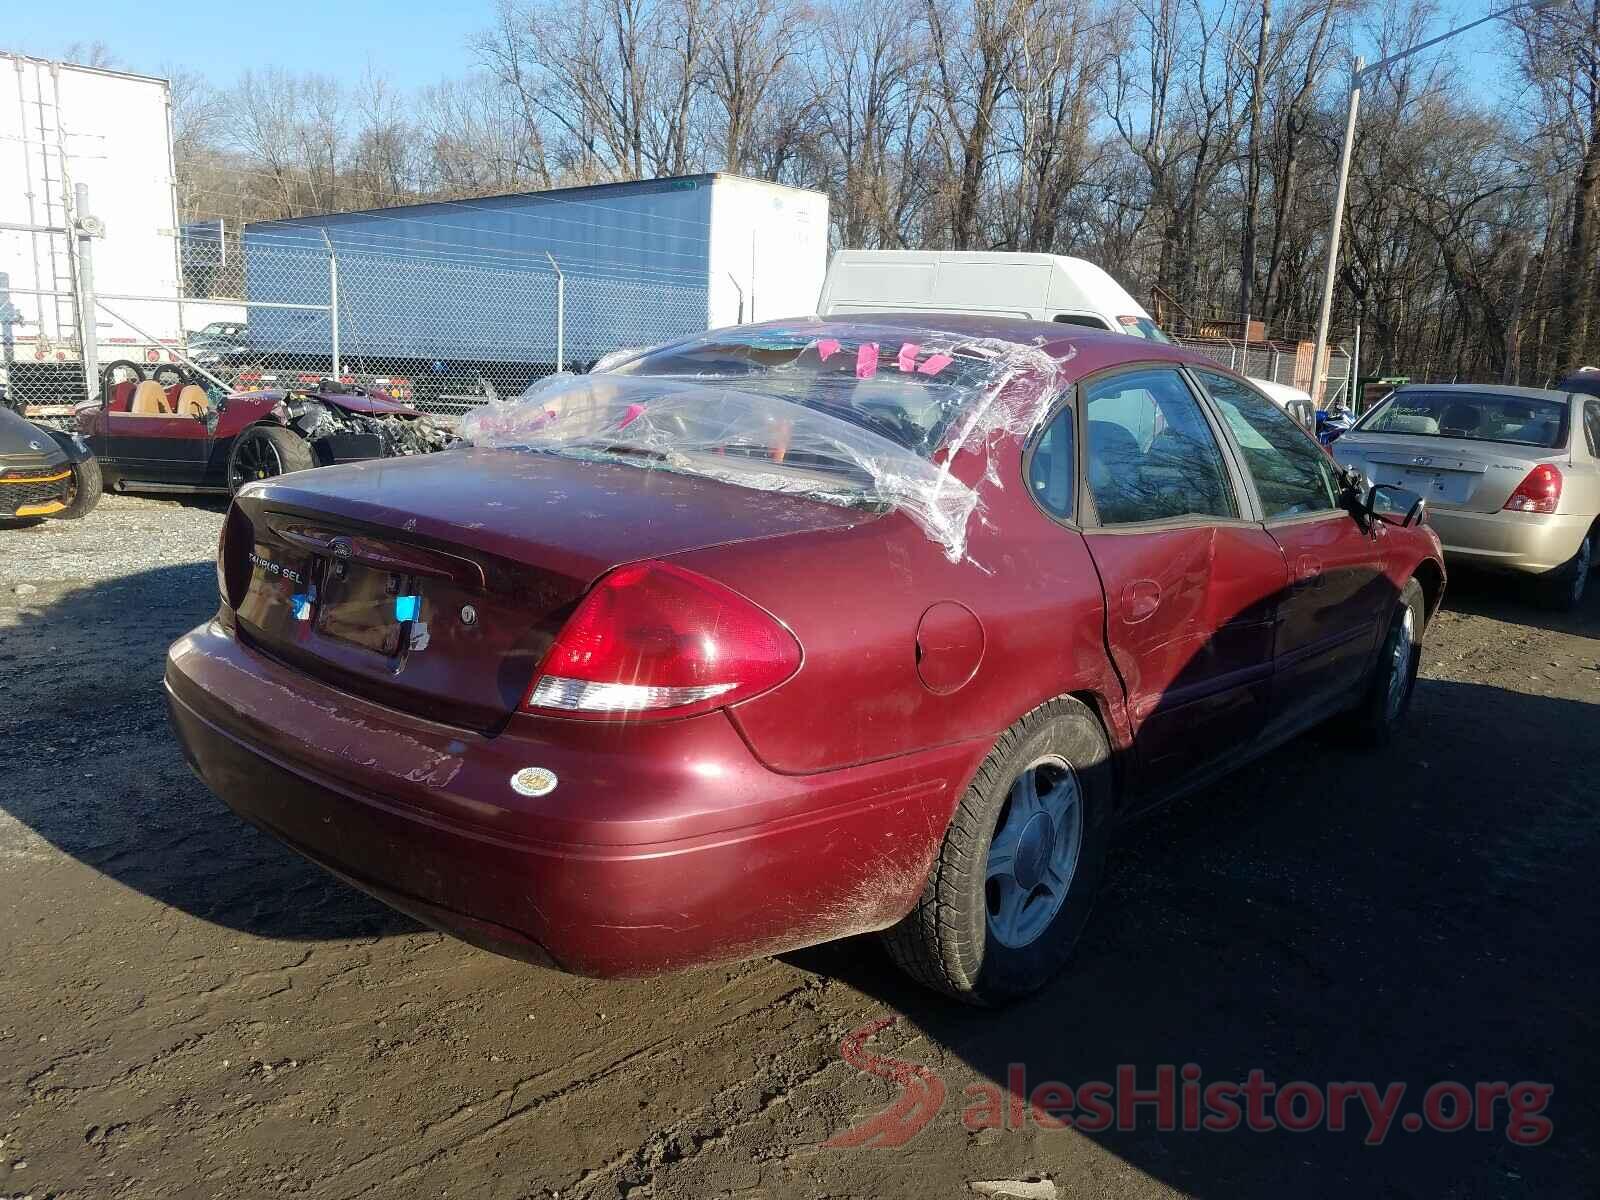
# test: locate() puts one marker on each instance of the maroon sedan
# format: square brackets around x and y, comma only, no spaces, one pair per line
[797,631]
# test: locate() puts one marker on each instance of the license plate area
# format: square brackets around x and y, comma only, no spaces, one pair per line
[279,585]
[1451,487]
[368,608]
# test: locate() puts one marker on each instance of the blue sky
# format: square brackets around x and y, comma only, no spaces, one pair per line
[412,42]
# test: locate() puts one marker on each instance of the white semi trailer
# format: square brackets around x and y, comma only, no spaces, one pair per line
[68,131]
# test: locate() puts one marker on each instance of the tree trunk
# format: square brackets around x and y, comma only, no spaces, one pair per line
[1252,200]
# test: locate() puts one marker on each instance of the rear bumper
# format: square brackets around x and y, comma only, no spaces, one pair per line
[662,846]
[1532,543]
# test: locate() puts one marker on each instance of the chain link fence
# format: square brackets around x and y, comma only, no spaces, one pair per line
[1290,365]
[39,316]
[441,331]
[232,309]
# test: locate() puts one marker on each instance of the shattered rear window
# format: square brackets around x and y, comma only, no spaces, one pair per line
[868,420]
[893,386]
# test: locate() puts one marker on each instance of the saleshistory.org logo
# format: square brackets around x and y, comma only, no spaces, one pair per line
[1180,1099]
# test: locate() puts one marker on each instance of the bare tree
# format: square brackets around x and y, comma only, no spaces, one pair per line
[755,43]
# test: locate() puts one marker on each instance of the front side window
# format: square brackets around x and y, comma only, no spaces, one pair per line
[1087,322]
[1151,455]
[1591,425]
[1292,474]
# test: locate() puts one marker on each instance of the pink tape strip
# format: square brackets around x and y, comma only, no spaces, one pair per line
[633,413]
[867,360]
[934,363]
[908,356]
[827,348]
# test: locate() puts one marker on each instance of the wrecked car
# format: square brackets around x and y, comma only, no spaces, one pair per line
[797,631]
[44,472]
[182,438]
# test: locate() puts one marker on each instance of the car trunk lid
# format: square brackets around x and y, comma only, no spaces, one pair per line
[1451,472]
[436,584]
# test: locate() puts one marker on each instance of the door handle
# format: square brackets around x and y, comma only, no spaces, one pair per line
[1140,599]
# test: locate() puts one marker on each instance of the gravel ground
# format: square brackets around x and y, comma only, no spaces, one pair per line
[188,1009]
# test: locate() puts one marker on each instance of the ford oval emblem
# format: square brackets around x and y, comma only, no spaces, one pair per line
[341,547]
[1421,460]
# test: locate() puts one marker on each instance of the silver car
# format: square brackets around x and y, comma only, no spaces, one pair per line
[1511,475]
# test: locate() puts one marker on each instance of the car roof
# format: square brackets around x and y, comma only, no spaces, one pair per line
[1088,350]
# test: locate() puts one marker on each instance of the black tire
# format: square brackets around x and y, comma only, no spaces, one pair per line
[1387,700]
[87,486]
[265,451]
[1564,588]
[949,940]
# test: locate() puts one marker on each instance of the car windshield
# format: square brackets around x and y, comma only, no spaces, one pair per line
[1472,416]
[885,381]
[1144,327]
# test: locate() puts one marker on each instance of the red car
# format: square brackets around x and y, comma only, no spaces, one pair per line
[176,438]
[797,631]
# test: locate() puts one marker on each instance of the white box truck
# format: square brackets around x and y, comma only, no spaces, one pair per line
[61,126]
[459,299]
[1034,287]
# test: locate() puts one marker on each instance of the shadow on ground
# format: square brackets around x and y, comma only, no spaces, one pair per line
[1419,915]
[91,766]
[1513,599]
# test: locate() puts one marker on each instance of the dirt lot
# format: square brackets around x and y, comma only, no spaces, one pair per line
[187,1009]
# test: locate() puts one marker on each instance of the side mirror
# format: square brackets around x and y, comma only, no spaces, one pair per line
[1395,505]
[1354,490]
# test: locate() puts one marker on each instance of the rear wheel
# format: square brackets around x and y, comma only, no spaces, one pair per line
[264,451]
[87,486]
[1388,696]
[1564,588]
[1015,878]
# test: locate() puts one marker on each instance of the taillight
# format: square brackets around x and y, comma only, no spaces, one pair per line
[654,640]
[233,556]
[1540,492]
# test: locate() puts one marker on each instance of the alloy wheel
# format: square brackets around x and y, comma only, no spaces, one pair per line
[1033,855]
[1400,662]
[255,458]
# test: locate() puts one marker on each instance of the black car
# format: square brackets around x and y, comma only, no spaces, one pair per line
[44,472]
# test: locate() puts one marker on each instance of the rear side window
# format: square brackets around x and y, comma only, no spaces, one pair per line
[1292,474]
[1079,319]
[1151,455]
[1053,468]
